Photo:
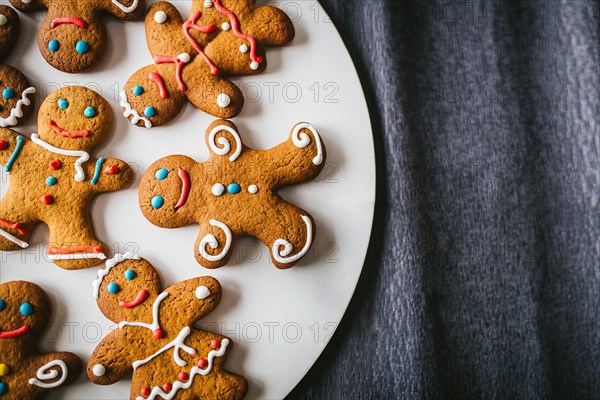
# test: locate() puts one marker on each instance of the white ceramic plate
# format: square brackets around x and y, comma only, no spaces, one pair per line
[280,321]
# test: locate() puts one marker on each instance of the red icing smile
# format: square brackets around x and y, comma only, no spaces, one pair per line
[69,134]
[185,187]
[14,334]
[69,20]
[141,296]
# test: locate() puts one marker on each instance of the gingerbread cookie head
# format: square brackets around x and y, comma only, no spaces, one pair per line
[25,373]
[127,288]
[9,30]
[24,311]
[193,58]
[16,97]
[72,37]
[74,118]
[234,193]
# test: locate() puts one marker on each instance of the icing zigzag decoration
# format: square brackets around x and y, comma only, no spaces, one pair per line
[234,193]
[72,37]
[156,340]
[193,58]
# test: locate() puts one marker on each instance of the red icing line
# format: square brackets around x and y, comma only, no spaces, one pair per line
[179,70]
[141,296]
[156,78]
[16,226]
[185,187]
[75,249]
[191,24]
[69,20]
[69,134]
[14,334]
[235,25]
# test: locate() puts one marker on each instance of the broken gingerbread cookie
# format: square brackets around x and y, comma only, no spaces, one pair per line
[17,97]
[72,37]
[25,372]
[194,58]
[234,193]
[10,25]
[156,338]
[53,178]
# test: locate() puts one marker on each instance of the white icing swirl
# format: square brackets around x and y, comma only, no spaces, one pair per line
[118,258]
[281,256]
[17,111]
[226,146]
[301,140]
[211,241]
[82,155]
[129,111]
[46,374]
[124,8]
[177,385]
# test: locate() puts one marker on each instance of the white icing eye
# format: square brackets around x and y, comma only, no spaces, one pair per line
[99,370]
[3,20]
[243,48]
[160,17]
[226,26]
[202,292]
[223,100]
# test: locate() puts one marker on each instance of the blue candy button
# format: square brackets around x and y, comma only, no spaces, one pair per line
[234,188]
[129,274]
[63,104]
[157,202]
[149,111]
[8,93]
[51,181]
[138,90]
[26,309]
[2,305]
[89,112]
[3,388]
[82,47]
[113,288]
[161,174]
[53,45]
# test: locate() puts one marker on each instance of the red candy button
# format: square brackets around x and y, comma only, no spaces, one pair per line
[3,144]
[215,344]
[145,392]
[183,376]
[47,199]
[55,164]
[111,169]
[167,386]
[158,334]
[202,363]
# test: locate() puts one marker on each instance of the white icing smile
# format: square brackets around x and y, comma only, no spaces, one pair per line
[131,112]
[17,111]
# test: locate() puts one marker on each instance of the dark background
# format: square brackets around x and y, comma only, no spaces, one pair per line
[483,278]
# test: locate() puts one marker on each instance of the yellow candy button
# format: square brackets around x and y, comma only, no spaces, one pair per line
[4,370]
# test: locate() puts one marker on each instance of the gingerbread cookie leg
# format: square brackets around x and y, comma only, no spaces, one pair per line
[104,368]
[214,245]
[193,299]
[73,244]
[14,231]
[54,370]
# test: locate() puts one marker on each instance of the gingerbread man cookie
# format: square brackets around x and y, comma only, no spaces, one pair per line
[193,58]
[16,101]
[156,339]
[25,373]
[10,26]
[72,37]
[234,193]
[53,178]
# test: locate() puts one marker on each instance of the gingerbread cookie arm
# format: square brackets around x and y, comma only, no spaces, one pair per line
[33,5]
[191,300]
[164,21]
[11,145]
[214,244]
[111,361]
[288,231]
[299,159]
[128,10]
[72,243]
[152,96]
[272,26]
[54,370]
[212,93]
[10,26]
[109,174]
[15,226]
